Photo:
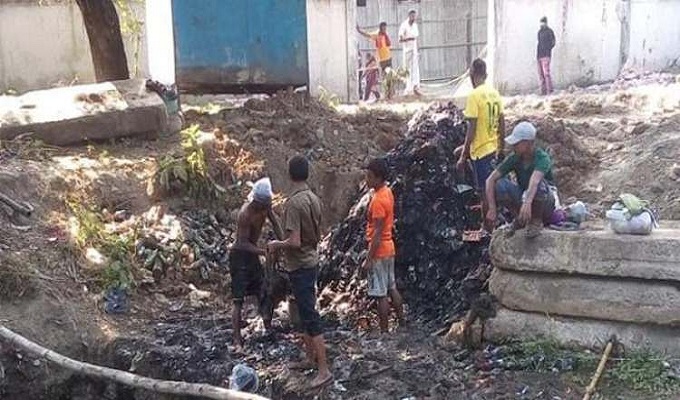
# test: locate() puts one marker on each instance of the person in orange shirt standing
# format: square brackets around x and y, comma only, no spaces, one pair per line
[383,45]
[380,259]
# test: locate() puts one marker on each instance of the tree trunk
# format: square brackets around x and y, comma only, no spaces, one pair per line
[106,42]
[125,378]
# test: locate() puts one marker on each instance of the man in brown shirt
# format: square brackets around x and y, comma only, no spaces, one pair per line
[302,225]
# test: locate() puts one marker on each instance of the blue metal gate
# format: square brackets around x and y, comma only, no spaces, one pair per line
[240,45]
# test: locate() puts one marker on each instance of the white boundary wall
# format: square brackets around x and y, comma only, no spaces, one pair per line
[42,46]
[595,39]
[331,47]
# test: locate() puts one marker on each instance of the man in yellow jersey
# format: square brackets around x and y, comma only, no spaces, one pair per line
[486,128]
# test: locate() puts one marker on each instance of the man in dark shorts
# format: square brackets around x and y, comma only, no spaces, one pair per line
[302,226]
[530,200]
[244,256]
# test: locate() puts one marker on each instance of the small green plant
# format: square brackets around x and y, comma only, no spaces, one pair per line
[117,275]
[328,98]
[189,172]
[392,78]
[547,355]
[644,371]
[131,26]
[117,249]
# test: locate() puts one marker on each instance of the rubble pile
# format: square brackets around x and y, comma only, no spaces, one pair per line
[438,273]
[190,247]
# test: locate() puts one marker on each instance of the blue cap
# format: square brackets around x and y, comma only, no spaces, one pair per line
[523,131]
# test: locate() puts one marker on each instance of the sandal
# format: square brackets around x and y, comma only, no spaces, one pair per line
[321,384]
[301,365]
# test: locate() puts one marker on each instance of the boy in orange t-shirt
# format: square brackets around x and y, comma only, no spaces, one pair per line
[380,259]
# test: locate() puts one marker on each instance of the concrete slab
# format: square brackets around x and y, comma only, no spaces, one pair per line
[638,301]
[75,114]
[599,253]
[581,332]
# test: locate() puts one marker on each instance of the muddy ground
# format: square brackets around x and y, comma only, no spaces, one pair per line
[605,140]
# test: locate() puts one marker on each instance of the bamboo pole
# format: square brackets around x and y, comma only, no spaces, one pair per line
[125,378]
[590,390]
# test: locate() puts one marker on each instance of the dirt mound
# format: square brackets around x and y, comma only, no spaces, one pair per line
[643,163]
[260,137]
[432,211]
[572,158]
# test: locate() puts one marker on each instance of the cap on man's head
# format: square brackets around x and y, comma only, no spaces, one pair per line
[523,131]
[261,192]
[544,20]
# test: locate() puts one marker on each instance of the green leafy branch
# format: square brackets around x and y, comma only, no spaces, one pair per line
[188,173]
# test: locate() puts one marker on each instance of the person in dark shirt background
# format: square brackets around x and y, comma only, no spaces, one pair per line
[546,42]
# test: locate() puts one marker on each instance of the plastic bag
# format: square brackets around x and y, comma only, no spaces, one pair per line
[633,203]
[244,379]
[577,212]
[641,224]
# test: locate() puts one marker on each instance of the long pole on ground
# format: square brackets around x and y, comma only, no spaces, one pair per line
[125,378]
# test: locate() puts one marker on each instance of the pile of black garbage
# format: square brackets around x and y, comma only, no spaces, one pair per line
[438,273]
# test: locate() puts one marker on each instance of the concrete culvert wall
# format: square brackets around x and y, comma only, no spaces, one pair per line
[583,287]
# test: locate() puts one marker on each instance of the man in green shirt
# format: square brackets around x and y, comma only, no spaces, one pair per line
[530,199]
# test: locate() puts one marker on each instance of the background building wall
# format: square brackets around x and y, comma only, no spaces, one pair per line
[587,35]
[44,45]
[327,45]
[654,34]
[595,39]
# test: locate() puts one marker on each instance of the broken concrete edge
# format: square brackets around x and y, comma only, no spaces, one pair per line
[145,115]
[597,253]
[612,299]
[584,333]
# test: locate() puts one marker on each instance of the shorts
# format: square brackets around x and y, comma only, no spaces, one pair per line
[509,194]
[482,169]
[303,285]
[385,64]
[381,277]
[246,275]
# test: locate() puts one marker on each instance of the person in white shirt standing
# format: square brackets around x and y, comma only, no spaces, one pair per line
[408,36]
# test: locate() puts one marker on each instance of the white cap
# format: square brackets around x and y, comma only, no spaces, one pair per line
[523,131]
[262,192]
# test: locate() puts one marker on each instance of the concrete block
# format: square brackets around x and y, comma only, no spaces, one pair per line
[581,332]
[75,114]
[628,300]
[598,253]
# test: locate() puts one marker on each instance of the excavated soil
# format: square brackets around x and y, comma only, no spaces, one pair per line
[259,138]
[612,139]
